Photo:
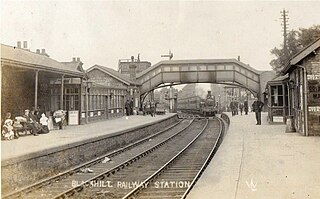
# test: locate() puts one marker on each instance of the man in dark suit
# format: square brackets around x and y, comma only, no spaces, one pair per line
[257,108]
[31,122]
[246,107]
[131,106]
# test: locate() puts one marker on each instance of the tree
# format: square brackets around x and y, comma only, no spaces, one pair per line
[296,41]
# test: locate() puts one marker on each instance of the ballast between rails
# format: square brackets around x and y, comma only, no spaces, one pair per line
[47,181]
[107,173]
[212,153]
[131,195]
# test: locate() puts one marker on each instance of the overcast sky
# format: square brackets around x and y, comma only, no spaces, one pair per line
[102,32]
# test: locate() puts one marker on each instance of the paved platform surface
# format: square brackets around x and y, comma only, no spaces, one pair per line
[261,162]
[30,144]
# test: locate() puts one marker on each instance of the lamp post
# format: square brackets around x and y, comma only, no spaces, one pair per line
[175,103]
[289,123]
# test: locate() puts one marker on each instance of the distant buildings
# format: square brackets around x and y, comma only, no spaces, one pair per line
[130,67]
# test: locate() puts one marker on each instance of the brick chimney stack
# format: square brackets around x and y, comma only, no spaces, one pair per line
[78,59]
[38,51]
[74,59]
[19,44]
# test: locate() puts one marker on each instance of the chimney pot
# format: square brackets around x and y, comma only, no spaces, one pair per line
[38,51]
[78,59]
[43,51]
[73,59]
[19,44]
[25,44]
[238,58]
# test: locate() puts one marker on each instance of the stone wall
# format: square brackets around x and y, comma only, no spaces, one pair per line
[23,171]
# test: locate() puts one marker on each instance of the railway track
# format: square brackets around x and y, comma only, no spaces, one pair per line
[127,178]
[178,154]
[49,187]
[176,178]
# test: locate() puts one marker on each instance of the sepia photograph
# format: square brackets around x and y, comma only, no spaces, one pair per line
[104,99]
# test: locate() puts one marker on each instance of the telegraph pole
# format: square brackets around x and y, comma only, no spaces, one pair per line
[285,18]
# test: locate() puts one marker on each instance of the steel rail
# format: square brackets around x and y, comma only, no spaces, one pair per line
[65,174]
[142,185]
[107,173]
[207,161]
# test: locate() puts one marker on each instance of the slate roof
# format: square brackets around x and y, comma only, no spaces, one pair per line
[39,61]
[279,79]
[295,59]
[121,77]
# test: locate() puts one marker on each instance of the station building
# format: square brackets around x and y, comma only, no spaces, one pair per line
[303,71]
[34,80]
[106,94]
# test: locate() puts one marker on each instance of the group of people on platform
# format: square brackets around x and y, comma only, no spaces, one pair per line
[243,107]
[129,107]
[30,121]
[236,107]
[149,108]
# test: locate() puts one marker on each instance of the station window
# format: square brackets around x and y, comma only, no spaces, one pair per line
[277,95]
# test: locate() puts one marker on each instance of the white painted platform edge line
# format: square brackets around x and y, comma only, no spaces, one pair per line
[240,169]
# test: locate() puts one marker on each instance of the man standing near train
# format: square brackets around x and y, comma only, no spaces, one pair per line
[246,107]
[257,108]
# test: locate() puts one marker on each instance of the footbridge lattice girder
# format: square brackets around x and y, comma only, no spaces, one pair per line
[200,71]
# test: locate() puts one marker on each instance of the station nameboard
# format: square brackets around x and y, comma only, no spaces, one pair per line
[314,109]
[313,77]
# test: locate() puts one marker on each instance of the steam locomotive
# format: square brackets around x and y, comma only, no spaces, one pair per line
[205,107]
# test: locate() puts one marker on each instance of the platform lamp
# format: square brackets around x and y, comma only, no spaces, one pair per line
[291,85]
[290,120]
[175,99]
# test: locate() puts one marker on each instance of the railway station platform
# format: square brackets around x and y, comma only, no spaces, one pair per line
[256,161]
[26,145]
